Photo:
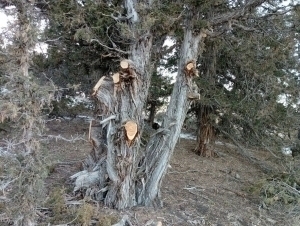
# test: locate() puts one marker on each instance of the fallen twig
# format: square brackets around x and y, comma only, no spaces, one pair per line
[196,188]
[188,171]
[123,222]
[235,192]
[59,137]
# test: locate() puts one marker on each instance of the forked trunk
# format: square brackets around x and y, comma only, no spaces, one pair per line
[117,170]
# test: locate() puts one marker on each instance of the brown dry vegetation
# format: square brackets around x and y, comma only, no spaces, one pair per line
[195,191]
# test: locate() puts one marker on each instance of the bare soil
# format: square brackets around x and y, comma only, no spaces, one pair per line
[195,190]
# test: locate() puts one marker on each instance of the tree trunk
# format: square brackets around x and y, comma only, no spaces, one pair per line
[115,135]
[115,142]
[161,145]
[206,131]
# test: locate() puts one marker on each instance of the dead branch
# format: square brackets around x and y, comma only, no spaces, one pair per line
[107,119]
[69,223]
[243,27]
[5,218]
[123,222]
[188,171]
[194,188]
[3,186]
[164,131]
[59,137]
[291,189]
[97,86]
[69,162]
[235,192]
[85,179]
[109,48]
[193,96]
[236,14]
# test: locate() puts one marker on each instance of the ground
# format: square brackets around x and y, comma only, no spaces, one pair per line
[195,190]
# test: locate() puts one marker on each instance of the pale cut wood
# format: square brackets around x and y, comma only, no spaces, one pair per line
[131,129]
[190,66]
[98,84]
[116,77]
[124,64]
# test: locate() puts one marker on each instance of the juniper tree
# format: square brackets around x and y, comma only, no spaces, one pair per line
[118,170]
[248,70]
[21,103]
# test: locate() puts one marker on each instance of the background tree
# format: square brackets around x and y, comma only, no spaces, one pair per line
[235,87]
[22,99]
[160,89]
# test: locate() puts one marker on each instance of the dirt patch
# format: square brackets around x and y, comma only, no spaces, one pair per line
[195,190]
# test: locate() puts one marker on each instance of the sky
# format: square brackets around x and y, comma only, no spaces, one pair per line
[3,20]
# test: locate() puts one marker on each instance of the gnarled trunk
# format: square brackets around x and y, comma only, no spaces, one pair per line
[115,134]
[206,131]
[110,169]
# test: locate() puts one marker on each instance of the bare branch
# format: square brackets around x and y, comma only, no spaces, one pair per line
[243,27]
[238,13]
[59,137]
[107,119]
[109,48]
[52,40]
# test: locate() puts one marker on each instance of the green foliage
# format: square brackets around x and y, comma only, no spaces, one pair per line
[243,75]
[73,58]
[160,88]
